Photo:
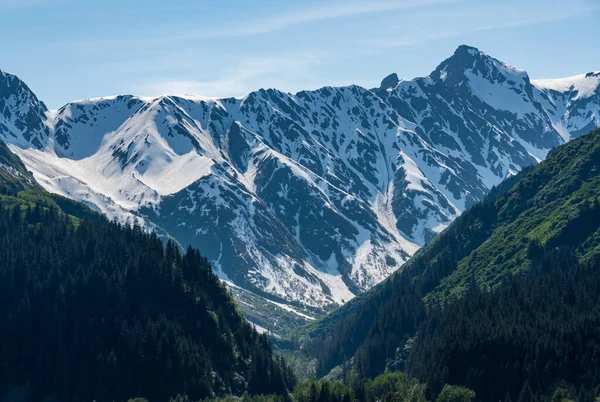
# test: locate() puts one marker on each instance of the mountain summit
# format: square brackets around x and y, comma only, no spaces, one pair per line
[23,119]
[305,199]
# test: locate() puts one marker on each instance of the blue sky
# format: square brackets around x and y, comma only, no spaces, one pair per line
[67,50]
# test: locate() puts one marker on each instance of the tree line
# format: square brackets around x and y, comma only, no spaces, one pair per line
[94,310]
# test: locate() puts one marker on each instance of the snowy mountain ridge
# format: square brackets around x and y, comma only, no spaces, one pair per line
[308,198]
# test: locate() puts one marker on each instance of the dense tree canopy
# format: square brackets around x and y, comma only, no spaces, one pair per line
[96,310]
[540,328]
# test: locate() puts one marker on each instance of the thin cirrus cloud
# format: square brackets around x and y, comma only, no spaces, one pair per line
[292,71]
[335,38]
[550,15]
[248,75]
[278,70]
[322,13]
[273,23]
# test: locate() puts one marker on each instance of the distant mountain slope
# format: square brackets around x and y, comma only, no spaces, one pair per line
[554,205]
[96,311]
[305,199]
[571,103]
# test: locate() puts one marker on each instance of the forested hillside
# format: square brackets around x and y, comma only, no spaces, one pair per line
[93,310]
[546,219]
[537,331]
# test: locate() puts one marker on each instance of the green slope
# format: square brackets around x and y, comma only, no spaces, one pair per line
[19,188]
[92,310]
[556,204]
[537,330]
[553,204]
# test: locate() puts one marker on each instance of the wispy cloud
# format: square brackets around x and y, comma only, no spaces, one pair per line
[248,75]
[321,13]
[273,23]
[551,15]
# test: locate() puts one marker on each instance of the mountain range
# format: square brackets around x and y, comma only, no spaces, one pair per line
[303,200]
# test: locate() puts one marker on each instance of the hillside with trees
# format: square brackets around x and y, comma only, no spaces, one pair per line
[549,214]
[94,310]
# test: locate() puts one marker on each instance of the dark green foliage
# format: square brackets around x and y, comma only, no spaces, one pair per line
[453,393]
[556,204]
[526,394]
[93,310]
[561,395]
[535,330]
[388,387]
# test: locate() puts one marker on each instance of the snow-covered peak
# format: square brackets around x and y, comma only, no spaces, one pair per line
[23,118]
[580,86]
[147,99]
[572,103]
[81,127]
[469,61]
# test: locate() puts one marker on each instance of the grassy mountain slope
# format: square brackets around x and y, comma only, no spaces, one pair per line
[552,204]
[556,204]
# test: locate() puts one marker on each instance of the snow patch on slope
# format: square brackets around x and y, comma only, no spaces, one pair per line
[585,85]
